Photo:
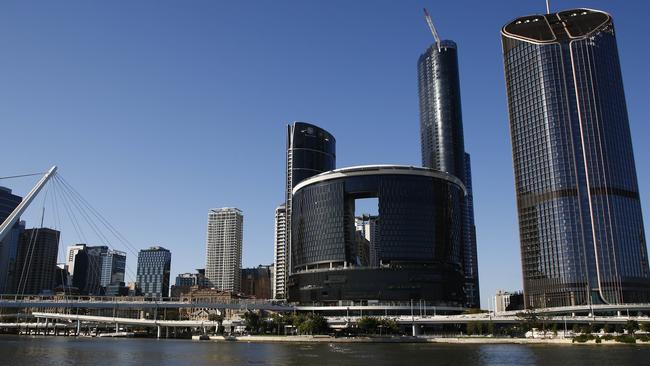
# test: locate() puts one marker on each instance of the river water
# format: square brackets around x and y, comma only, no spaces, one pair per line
[34,351]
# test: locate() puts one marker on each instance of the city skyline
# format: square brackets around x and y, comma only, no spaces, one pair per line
[492,232]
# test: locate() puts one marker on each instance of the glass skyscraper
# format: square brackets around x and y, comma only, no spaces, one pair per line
[442,142]
[581,228]
[154,265]
[9,245]
[310,150]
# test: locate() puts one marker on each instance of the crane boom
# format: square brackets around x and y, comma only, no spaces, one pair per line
[427,17]
[22,206]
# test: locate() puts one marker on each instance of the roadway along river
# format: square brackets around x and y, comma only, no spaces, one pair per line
[33,351]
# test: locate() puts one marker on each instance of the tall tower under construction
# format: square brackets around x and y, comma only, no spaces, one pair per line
[442,142]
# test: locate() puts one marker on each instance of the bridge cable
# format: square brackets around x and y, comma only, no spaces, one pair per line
[86,210]
[22,175]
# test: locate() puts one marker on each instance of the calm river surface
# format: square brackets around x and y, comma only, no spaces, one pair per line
[34,351]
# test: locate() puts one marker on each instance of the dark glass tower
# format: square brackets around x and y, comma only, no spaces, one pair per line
[442,143]
[580,222]
[310,150]
[8,246]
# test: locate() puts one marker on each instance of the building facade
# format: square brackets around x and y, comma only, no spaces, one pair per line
[442,141]
[154,265]
[36,262]
[368,227]
[256,282]
[113,264]
[9,245]
[310,151]
[279,280]
[224,249]
[419,254]
[580,222]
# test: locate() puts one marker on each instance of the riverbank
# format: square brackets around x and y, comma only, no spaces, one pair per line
[444,340]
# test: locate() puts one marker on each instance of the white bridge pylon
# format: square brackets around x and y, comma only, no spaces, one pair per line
[15,214]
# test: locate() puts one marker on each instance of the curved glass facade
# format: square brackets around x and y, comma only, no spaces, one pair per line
[419,251]
[442,141]
[581,227]
[310,151]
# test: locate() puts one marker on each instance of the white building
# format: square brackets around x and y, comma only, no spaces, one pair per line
[501,301]
[280,252]
[367,225]
[224,249]
[71,254]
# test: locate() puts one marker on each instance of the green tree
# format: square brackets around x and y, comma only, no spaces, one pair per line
[313,324]
[576,328]
[252,322]
[471,328]
[631,326]
[368,325]
[529,319]
[608,328]
[595,328]
[389,326]
[490,328]
[645,326]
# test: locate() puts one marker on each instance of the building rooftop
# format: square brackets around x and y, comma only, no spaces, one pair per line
[548,28]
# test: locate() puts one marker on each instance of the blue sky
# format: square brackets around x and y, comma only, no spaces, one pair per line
[157,111]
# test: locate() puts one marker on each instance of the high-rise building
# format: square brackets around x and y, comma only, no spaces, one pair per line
[580,223]
[368,226]
[257,281]
[191,279]
[87,267]
[310,150]
[113,267]
[470,255]
[442,141]
[154,265]
[36,261]
[224,248]
[9,245]
[280,253]
[71,254]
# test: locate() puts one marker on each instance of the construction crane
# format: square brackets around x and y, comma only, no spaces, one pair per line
[15,215]
[427,17]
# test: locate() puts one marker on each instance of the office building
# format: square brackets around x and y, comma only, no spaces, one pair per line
[368,227]
[191,279]
[224,249]
[419,256]
[87,268]
[580,223]
[280,253]
[256,282]
[113,266]
[442,141]
[71,254]
[154,265]
[310,150]
[36,261]
[9,245]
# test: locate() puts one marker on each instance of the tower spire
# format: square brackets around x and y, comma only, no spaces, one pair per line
[548,6]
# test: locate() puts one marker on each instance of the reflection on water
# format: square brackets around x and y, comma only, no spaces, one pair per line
[34,351]
[506,354]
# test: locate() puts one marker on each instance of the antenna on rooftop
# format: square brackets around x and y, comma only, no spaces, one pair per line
[548,7]
[427,17]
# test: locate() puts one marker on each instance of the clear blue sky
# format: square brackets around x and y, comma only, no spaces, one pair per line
[157,111]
